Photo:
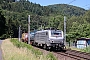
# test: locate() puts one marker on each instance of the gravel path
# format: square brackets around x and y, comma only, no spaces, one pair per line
[0,50]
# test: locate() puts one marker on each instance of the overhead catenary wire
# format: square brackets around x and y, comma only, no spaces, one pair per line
[86,5]
[72,1]
[75,0]
[82,6]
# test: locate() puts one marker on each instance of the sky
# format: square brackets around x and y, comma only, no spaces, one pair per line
[80,3]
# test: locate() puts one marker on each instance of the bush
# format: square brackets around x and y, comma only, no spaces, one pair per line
[50,56]
[87,49]
[3,36]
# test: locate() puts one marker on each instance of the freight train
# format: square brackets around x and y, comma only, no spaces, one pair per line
[25,37]
[48,39]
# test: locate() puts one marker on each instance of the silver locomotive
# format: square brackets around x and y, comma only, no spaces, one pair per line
[49,39]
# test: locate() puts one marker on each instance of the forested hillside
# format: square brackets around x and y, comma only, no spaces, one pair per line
[14,14]
[68,9]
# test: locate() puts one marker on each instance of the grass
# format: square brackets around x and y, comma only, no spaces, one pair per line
[87,49]
[24,45]
[21,51]
[10,52]
[50,56]
[74,48]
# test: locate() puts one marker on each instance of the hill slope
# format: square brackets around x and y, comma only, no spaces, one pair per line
[68,9]
[34,8]
[16,13]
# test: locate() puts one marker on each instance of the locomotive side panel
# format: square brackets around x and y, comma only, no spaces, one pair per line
[41,37]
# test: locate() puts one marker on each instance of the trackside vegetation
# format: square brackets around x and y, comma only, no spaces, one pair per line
[22,45]
[38,54]
[50,56]
[87,50]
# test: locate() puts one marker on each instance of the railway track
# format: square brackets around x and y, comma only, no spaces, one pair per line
[73,55]
[69,55]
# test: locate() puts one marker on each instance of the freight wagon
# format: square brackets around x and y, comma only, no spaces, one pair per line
[25,37]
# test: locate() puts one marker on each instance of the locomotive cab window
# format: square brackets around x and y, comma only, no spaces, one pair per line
[56,33]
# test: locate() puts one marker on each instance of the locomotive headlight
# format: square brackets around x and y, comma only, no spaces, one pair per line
[52,41]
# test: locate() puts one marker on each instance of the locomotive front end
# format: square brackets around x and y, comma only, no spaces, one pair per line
[56,39]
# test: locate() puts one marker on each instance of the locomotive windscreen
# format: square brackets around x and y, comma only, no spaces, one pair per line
[56,33]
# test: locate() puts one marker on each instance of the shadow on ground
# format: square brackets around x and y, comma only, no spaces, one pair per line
[2,38]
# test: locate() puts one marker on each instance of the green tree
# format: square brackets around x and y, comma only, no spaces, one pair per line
[2,24]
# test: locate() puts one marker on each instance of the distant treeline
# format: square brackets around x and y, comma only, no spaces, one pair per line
[13,14]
